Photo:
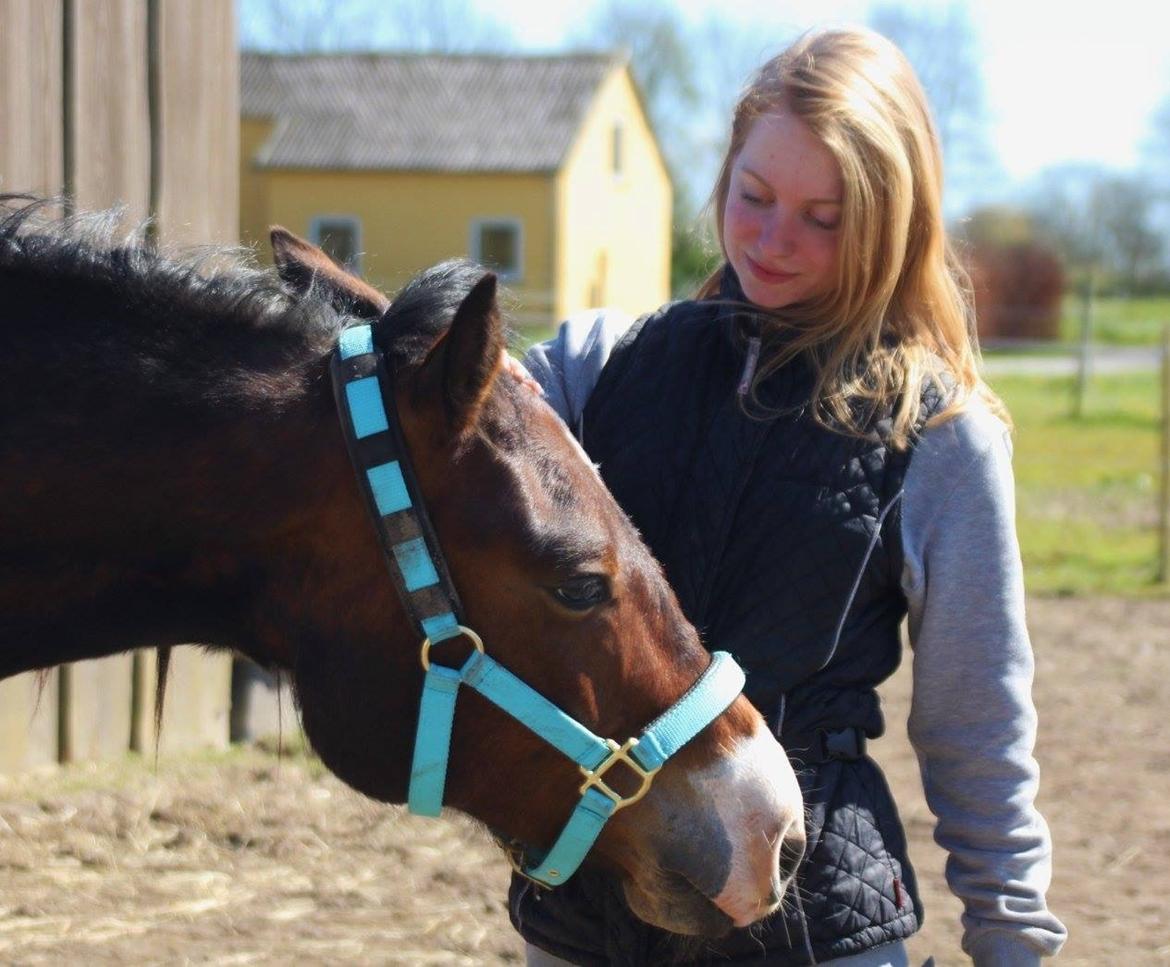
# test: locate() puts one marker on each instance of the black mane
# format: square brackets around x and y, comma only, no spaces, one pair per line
[120,316]
[424,309]
[206,325]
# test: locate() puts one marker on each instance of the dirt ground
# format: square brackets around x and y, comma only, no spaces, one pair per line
[242,859]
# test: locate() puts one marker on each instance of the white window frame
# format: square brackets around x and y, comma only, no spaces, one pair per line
[477,226]
[354,222]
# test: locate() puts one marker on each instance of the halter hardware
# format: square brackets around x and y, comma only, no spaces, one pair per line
[369,420]
[467,633]
[618,753]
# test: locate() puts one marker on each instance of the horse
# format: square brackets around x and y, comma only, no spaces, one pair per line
[175,471]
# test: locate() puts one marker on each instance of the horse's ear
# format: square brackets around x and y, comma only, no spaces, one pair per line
[304,266]
[465,362]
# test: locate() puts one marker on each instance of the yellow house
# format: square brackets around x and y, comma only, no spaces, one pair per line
[544,168]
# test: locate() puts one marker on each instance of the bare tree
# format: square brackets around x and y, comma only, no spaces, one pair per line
[943,48]
[1133,243]
[1100,221]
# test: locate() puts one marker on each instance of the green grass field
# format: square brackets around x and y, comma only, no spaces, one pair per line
[1088,489]
[1118,322]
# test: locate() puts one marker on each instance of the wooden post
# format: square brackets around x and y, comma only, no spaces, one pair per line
[1164,510]
[1081,388]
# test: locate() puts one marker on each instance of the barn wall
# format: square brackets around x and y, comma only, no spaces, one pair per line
[76,118]
[30,160]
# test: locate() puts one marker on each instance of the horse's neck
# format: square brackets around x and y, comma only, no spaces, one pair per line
[152,542]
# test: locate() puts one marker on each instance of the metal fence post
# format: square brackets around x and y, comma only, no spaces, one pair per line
[1164,509]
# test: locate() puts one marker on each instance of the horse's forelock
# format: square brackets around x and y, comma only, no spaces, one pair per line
[424,309]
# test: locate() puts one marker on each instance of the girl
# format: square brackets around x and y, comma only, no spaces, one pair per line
[808,449]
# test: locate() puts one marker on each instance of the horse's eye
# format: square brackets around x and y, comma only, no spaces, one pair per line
[582,593]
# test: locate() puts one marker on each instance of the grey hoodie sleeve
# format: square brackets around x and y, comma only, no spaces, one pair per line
[569,365]
[972,721]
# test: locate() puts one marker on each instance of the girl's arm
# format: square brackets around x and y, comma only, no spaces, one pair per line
[972,721]
[569,365]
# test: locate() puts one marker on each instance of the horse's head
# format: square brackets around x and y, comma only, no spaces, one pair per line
[555,579]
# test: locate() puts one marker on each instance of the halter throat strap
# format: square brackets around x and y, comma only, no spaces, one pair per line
[366,403]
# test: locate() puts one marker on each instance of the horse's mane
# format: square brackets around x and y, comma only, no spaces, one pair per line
[204,322]
[208,319]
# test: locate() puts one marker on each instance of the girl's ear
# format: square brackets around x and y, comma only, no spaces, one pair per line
[466,361]
[305,267]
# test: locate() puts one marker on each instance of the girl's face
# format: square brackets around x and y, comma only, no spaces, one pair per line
[780,223]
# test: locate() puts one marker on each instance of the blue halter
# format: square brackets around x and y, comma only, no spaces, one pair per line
[365,398]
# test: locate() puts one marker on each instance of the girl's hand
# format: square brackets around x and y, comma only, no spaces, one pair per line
[513,367]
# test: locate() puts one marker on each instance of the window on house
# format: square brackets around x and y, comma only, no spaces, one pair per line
[341,238]
[496,243]
[618,159]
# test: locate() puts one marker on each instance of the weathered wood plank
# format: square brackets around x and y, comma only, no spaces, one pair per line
[197,708]
[28,723]
[200,122]
[110,114]
[30,96]
[95,713]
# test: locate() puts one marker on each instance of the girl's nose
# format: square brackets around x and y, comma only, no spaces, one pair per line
[777,237]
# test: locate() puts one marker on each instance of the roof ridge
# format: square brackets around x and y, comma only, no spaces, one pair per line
[616,54]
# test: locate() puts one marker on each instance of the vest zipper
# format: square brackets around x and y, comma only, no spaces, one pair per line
[749,367]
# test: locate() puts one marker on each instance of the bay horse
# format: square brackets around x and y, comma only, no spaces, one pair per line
[174,470]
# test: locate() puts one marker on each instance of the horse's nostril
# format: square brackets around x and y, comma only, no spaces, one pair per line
[791,853]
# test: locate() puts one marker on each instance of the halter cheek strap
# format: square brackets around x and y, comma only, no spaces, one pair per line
[365,399]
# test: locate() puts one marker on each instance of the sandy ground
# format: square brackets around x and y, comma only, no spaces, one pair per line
[247,860]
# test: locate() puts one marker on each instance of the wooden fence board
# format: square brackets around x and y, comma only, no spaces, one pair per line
[197,708]
[200,122]
[263,706]
[98,145]
[30,96]
[28,723]
[96,709]
[111,118]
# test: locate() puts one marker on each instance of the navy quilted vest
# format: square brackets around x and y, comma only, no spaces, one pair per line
[765,527]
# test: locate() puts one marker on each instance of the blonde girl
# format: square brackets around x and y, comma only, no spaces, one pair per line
[808,449]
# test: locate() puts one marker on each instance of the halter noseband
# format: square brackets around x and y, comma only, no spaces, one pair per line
[366,403]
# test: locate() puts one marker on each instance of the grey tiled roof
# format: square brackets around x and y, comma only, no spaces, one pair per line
[419,112]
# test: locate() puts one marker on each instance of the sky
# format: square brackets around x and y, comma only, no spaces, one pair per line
[1066,80]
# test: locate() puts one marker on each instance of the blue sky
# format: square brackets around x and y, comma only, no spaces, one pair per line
[1065,80]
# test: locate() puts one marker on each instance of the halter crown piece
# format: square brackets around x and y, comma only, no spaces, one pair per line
[366,404]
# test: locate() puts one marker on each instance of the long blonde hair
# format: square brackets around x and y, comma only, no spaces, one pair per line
[901,311]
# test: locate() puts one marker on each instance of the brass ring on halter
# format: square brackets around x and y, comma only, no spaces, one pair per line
[462,630]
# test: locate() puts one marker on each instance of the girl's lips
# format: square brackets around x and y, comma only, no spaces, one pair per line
[767,275]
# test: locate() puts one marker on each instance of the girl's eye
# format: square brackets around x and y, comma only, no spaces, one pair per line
[582,593]
[827,224]
[751,199]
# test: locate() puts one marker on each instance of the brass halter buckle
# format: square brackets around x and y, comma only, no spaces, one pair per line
[618,753]
[464,631]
